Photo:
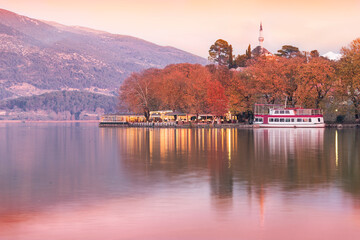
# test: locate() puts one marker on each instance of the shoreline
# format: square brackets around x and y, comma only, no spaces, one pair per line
[228,125]
[49,121]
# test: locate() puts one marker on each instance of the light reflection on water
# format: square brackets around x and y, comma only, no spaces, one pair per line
[78,181]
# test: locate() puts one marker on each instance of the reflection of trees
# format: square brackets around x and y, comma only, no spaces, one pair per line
[290,158]
[221,177]
[349,160]
[181,151]
[98,162]
[293,158]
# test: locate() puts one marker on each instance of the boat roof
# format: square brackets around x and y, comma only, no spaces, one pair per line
[283,107]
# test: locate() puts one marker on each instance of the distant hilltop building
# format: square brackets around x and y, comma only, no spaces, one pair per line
[260,50]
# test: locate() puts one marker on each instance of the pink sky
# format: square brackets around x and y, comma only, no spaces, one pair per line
[325,25]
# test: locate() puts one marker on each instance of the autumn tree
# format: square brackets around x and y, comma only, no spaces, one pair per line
[289,71]
[216,98]
[220,52]
[314,53]
[268,79]
[197,90]
[349,70]
[172,86]
[219,73]
[183,87]
[138,92]
[241,93]
[317,78]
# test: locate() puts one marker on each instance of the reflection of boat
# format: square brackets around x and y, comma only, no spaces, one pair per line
[270,115]
[283,144]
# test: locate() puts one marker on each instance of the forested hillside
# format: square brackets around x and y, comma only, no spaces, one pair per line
[60,105]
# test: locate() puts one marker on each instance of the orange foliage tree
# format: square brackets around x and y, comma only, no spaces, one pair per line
[196,92]
[289,68]
[268,77]
[138,92]
[172,86]
[316,78]
[241,92]
[190,88]
[216,99]
[193,88]
[349,71]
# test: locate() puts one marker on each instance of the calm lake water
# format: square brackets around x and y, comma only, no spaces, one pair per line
[66,181]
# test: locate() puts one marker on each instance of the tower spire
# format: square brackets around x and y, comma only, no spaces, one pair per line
[261,38]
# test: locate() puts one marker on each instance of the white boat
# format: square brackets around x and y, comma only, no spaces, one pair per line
[279,116]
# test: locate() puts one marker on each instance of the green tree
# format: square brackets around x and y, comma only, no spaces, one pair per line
[288,51]
[220,52]
[240,60]
[248,52]
[231,57]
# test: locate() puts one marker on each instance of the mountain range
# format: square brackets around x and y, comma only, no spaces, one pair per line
[53,71]
[37,57]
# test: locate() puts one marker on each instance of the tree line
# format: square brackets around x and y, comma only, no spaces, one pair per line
[298,78]
[59,101]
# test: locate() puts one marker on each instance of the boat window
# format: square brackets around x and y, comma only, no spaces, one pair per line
[305,120]
[271,119]
[276,112]
[281,112]
[260,120]
[319,119]
[288,120]
[276,120]
[287,112]
[282,120]
[292,120]
[299,120]
[309,119]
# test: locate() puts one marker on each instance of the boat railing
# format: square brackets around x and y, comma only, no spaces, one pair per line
[264,109]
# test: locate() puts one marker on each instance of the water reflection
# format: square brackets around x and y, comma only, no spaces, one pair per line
[248,182]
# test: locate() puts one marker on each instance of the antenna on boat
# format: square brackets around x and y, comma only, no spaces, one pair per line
[286,101]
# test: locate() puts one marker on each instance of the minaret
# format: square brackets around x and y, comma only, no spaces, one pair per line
[261,38]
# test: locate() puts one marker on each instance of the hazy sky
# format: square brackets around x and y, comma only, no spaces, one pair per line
[325,25]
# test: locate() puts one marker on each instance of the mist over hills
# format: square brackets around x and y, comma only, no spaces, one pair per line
[38,57]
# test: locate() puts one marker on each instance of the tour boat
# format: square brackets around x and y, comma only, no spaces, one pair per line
[270,115]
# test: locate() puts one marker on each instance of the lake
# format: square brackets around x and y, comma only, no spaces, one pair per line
[68,181]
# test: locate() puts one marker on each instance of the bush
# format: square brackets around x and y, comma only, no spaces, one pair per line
[340,118]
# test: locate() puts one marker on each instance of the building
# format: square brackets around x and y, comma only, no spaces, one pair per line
[121,118]
[260,50]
